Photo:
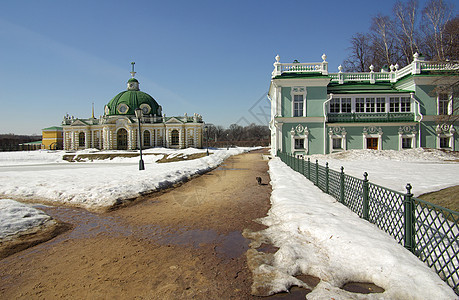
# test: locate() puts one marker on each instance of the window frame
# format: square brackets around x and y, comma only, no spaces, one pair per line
[334,134]
[407,142]
[175,139]
[339,141]
[442,145]
[371,103]
[298,139]
[380,108]
[295,92]
[444,105]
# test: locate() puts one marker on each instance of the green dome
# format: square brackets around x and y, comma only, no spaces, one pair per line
[133,80]
[127,101]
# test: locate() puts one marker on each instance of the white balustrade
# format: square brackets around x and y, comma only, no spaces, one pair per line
[416,67]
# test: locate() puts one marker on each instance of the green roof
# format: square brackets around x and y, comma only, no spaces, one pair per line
[133,80]
[33,143]
[53,128]
[133,100]
[300,75]
[363,88]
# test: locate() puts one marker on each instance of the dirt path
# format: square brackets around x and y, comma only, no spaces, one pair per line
[184,243]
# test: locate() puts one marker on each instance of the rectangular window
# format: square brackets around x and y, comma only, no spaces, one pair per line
[337,143]
[298,105]
[299,143]
[405,104]
[443,103]
[394,104]
[444,142]
[381,105]
[406,143]
[346,105]
[370,105]
[359,105]
[334,105]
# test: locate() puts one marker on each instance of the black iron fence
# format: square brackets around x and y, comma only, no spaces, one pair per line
[427,230]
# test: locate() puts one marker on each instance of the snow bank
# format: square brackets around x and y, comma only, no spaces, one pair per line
[318,236]
[31,157]
[427,170]
[103,185]
[16,217]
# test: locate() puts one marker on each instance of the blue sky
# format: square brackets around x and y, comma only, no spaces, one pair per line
[208,57]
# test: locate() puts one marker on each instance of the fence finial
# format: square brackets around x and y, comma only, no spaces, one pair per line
[408,189]
[365,176]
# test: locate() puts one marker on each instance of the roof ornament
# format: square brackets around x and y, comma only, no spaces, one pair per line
[132,72]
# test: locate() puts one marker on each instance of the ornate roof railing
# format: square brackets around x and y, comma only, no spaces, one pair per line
[416,67]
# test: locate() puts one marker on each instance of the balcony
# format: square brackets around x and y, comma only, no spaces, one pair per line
[370,117]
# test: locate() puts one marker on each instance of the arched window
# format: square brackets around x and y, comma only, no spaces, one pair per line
[122,139]
[81,139]
[174,137]
[146,138]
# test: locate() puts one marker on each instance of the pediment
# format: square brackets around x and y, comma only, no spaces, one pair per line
[78,123]
[174,120]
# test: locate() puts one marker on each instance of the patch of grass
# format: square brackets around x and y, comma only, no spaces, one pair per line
[181,157]
[103,156]
[96,156]
[447,198]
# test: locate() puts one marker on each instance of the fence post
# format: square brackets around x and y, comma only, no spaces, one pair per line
[341,185]
[409,220]
[366,206]
[326,178]
[317,172]
[309,168]
[302,166]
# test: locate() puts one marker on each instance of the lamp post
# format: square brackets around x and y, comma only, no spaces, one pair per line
[206,129]
[138,114]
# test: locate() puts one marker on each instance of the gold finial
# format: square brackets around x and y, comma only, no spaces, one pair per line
[93,110]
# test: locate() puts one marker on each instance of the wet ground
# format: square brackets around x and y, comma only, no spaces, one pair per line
[178,244]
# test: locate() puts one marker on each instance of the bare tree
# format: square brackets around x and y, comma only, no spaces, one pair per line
[451,39]
[436,15]
[359,59]
[383,42]
[406,30]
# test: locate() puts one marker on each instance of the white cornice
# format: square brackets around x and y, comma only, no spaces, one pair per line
[307,82]
[390,124]
[300,119]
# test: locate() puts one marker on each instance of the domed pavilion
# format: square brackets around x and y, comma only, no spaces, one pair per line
[118,128]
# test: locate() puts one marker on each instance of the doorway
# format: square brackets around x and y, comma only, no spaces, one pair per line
[121,139]
[372,143]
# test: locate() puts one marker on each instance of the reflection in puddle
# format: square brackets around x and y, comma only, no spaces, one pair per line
[88,225]
[224,167]
[294,293]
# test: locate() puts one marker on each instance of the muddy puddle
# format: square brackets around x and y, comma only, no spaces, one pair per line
[87,224]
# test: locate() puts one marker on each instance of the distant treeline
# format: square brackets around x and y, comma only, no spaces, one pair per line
[236,135]
[11,142]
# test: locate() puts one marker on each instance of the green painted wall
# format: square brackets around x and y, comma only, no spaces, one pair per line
[428,135]
[428,103]
[315,137]
[315,97]
[286,104]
